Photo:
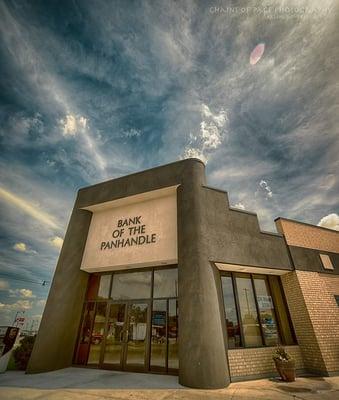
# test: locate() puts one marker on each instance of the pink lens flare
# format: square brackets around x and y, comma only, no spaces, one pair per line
[257,53]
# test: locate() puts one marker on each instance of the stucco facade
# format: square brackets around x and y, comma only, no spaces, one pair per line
[211,245]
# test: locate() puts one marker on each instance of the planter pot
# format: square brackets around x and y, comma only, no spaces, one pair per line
[286,370]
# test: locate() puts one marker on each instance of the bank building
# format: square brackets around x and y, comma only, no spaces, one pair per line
[159,274]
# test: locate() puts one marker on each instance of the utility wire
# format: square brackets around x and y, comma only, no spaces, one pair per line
[42,282]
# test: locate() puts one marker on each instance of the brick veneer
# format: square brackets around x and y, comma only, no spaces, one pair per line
[315,317]
[308,236]
[332,283]
[258,362]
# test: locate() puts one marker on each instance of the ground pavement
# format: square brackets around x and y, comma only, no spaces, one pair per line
[96,384]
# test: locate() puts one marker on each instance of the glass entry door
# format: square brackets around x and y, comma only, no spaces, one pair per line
[115,334]
[126,336]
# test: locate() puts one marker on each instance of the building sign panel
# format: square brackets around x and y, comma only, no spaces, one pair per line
[139,232]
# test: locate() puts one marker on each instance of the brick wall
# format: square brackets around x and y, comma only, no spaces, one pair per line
[257,362]
[332,283]
[311,237]
[315,318]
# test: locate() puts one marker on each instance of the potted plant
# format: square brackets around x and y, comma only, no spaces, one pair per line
[285,364]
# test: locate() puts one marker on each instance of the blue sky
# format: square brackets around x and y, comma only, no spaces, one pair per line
[93,90]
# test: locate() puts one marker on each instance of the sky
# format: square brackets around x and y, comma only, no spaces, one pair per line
[94,90]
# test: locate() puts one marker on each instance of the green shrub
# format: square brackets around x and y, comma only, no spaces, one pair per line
[23,352]
[281,354]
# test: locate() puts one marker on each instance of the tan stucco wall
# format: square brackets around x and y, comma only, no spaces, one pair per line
[311,237]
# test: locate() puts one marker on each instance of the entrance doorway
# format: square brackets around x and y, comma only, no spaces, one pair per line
[136,327]
[127,332]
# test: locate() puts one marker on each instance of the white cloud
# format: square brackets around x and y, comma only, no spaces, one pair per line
[20,247]
[266,189]
[56,241]
[17,306]
[330,221]
[30,209]
[239,205]
[3,284]
[211,135]
[24,293]
[77,125]
[219,119]
[191,152]
[73,124]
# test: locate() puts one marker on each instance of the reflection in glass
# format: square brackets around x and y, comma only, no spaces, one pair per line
[266,311]
[286,332]
[173,361]
[248,311]
[97,333]
[158,335]
[232,323]
[85,334]
[137,329]
[105,282]
[165,283]
[132,285]
[115,332]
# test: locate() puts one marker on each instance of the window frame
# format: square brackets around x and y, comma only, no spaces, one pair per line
[251,276]
[96,300]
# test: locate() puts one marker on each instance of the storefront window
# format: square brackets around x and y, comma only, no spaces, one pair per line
[266,311]
[131,285]
[165,283]
[173,358]
[159,333]
[104,286]
[255,311]
[286,331]
[248,312]
[130,321]
[232,322]
[97,333]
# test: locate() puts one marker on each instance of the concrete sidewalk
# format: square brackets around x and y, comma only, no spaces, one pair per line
[92,384]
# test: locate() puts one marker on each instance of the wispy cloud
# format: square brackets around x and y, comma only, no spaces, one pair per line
[23,293]
[20,305]
[24,205]
[210,137]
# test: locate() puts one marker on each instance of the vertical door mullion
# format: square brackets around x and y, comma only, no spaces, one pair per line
[125,338]
[148,336]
